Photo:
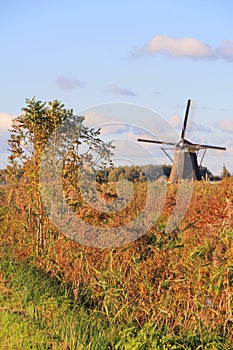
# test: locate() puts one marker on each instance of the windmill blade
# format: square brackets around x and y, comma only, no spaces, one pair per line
[185,119]
[198,146]
[158,142]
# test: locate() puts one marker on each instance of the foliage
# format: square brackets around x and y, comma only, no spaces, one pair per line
[137,173]
[32,129]
[150,172]
[205,173]
[40,124]
[167,290]
[3,176]
[225,172]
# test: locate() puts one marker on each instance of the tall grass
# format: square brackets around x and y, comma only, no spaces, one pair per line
[165,291]
[38,312]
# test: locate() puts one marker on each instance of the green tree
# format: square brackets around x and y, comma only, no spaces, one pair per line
[29,135]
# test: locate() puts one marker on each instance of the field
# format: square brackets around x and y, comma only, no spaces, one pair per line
[166,290]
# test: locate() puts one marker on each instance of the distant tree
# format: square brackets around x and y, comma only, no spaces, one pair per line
[152,172]
[204,172]
[114,174]
[149,172]
[166,169]
[136,174]
[225,172]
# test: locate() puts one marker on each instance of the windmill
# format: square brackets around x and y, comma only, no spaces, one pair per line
[185,165]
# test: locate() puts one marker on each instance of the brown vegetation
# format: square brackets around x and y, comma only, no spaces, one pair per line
[176,280]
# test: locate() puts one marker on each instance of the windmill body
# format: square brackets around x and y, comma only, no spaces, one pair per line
[185,164]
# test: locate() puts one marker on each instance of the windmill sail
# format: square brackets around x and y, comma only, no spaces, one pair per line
[159,142]
[185,120]
[199,146]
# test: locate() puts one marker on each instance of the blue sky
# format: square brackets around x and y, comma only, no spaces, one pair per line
[156,54]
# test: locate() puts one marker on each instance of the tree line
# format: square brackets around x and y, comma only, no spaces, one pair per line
[150,172]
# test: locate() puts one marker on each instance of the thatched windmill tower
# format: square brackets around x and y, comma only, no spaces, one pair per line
[185,165]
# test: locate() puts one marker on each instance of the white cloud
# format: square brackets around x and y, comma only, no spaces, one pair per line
[92,119]
[225,51]
[108,125]
[225,125]
[114,89]
[130,151]
[136,133]
[175,121]
[5,121]
[228,143]
[186,47]
[66,83]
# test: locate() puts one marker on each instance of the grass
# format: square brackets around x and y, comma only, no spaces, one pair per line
[39,312]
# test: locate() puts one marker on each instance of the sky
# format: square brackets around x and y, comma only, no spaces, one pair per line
[153,54]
